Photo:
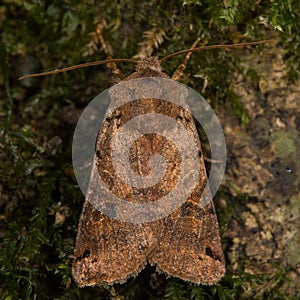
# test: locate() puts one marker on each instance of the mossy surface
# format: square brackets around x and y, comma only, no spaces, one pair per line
[40,201]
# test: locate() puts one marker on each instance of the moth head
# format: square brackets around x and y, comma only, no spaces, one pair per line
[149,63]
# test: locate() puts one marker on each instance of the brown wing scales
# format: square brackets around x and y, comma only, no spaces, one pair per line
[185,244]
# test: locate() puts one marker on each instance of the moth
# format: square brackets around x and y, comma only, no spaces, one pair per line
[184,244]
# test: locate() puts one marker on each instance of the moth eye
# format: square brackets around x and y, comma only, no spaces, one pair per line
[180,118]
[200,153]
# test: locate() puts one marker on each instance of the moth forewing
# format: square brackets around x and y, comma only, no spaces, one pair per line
[185,244]
[190,247]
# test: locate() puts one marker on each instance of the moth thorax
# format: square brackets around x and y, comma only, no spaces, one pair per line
[149,63]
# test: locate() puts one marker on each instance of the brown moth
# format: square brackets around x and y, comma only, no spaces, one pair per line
[185,244]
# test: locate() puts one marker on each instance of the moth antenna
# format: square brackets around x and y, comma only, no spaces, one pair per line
[85,65]
[203,48]
[179,71]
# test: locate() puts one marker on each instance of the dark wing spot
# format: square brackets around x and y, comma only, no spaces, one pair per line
[98,153]
[185,209]
[118,115]
[191,210]
[86,253]
[210,253]
[212,211]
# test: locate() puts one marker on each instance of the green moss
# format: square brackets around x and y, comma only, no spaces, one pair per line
[284,143]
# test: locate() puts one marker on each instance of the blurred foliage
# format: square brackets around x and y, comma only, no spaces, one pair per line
[40,202]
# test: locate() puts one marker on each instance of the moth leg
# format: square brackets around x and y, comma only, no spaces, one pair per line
[113,66]
[179,71]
